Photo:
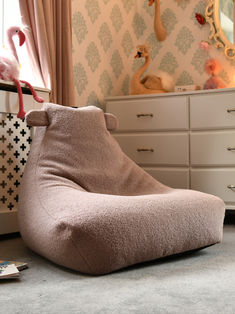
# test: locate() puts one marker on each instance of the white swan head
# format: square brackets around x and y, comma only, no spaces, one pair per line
[142,51]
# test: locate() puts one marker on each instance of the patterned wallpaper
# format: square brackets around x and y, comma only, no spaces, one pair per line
[106,33]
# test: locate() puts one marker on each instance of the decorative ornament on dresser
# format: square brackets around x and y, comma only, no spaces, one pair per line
[161,82]
[213,67]
[10,68]
[159,29]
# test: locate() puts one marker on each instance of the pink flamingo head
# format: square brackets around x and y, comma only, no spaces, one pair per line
[13,31]
[16,30]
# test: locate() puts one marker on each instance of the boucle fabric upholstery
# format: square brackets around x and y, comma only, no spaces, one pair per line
[85,205]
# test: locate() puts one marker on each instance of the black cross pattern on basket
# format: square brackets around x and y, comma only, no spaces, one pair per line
[15,140]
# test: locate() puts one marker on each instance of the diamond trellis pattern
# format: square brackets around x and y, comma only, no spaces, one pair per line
[198,60]
[93,100]
[155,45]
[105,36]
[184,40]
[149,9]
[138,25]
[182,3]
[93,9]
[92,56]
[15,142]
[79,26]
[116,63]
[185,79]
[169,20]
[116,18]
[127,44]
[80,78]
[128,4]
[105,83]
[168,63]
[125,85]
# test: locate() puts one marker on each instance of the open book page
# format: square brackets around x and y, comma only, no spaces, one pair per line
[8,271]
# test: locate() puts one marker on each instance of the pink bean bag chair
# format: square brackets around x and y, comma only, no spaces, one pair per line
[85,205]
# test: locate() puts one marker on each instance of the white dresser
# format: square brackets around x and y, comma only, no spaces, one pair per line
[184,140]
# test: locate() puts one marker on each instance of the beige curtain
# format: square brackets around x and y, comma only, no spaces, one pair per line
[49,43]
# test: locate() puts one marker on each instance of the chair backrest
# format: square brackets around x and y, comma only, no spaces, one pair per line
[74,143]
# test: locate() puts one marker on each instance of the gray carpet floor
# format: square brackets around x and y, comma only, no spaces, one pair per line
[200,282]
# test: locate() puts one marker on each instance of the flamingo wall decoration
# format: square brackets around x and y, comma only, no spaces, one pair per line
[9,67]
[159,29]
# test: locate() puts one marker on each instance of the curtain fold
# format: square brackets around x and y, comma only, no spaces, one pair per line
[49,43]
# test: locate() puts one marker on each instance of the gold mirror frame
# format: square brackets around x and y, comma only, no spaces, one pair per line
[217,36]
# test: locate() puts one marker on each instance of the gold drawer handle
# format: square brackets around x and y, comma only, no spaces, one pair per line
[145,150]
[231,148]
[139,115]
[230,110]
[231,186]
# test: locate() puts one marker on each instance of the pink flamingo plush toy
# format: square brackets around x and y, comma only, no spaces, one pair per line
[9,67]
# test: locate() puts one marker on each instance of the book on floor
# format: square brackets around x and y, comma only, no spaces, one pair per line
[19,265]
[8,271]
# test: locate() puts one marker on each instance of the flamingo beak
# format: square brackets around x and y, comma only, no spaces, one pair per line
[21,38]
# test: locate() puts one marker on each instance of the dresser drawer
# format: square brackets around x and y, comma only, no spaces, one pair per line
[215,181]
[165,113]
[213,148]
[174,177]
[159,149]
[211,111]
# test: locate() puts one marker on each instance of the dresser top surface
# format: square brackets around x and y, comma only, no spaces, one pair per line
[173,94]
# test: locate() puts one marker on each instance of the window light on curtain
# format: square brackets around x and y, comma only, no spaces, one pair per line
[49,45]
[9,16]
